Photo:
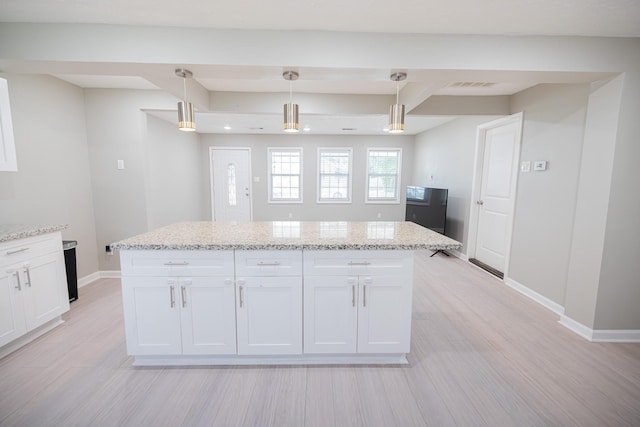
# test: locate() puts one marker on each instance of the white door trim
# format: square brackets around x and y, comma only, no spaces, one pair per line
[248,149]
[477,185]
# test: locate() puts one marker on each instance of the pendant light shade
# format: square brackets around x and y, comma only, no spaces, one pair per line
[291,122]
[186,120]
[396,111]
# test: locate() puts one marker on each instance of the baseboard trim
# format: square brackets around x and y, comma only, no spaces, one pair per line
[459,255]
[90,278]
[576,327]
[601,335]
[540,299]
[84,281]
[110,274]
[613,335]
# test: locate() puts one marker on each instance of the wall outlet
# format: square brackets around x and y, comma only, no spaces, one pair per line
[290,215]
[525,166]
[379,215]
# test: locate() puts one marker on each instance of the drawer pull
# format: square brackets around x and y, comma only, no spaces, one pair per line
[17,251]
[170,263]
[268,264]
[352,263]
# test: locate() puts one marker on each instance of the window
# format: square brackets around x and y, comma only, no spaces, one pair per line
[285,175]
[231,184]
[383,175]
[334,175]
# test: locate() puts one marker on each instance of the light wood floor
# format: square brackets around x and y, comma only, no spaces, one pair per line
[482,355]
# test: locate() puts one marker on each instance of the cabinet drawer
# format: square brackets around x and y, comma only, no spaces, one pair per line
[24,249]
[176,263]
[355,263]
[268,263]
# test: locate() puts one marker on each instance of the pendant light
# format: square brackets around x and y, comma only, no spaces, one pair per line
[396,111]
[291,122]
[185,108]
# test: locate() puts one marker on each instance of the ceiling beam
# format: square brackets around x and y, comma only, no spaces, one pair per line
[415,93]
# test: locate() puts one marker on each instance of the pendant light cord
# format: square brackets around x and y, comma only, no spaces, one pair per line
[184,84]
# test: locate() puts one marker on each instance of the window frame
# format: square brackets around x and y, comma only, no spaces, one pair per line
[270,151]
[396,200]
[349,198]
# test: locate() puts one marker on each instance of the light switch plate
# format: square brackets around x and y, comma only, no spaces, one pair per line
[120,164]
[525,166]
[540,165]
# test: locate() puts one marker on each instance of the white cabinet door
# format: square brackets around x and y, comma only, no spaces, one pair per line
[12,321]
[208,316]
[330,314]
[384,314]
[152,315]
[45,289]
[269,315]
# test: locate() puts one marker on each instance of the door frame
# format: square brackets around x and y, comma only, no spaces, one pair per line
[476,188]
[211,184]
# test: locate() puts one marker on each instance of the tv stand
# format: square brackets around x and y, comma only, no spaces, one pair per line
[439,251]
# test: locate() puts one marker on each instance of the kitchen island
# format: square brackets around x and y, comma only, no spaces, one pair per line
[207,293]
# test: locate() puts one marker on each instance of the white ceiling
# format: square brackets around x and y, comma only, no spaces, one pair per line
[619,18]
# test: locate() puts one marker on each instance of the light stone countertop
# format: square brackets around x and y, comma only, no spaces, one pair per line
[290,235]
[9,232]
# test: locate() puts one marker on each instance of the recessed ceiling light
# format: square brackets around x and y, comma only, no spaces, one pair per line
[227,127]
[306,129]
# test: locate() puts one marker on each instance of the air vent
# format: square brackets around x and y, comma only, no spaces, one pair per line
[349,129]
[471,84]
[256,128]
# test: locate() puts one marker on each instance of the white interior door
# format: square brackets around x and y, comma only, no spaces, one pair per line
[230,184]
[498,154]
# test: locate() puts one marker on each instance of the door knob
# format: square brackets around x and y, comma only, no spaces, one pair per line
[480,202]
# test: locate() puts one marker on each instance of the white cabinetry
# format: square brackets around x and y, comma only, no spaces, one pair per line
[357,301]
[178,302]
[33,287]
[269,302]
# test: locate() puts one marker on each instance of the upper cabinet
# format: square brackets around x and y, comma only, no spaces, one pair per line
[8,161]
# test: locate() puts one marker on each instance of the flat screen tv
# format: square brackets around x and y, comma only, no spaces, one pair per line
[427,207]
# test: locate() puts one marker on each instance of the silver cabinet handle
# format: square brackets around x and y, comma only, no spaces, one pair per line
[268,264]
[17,251]
[183,294]
[364,295]
[359,263]
[18,285]
[241,299]
[353,295]
[28,282]
[172,296]
[170,263]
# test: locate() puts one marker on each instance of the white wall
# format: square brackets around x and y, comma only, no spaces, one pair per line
[160,161]
[53,183]
[553,130]
[310,210]
[444,158]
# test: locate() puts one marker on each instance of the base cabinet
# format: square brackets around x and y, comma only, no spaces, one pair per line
[359,314]
[269,303]
[270,315]
[33,288]
[268,307]
[179,315]
[366,310]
